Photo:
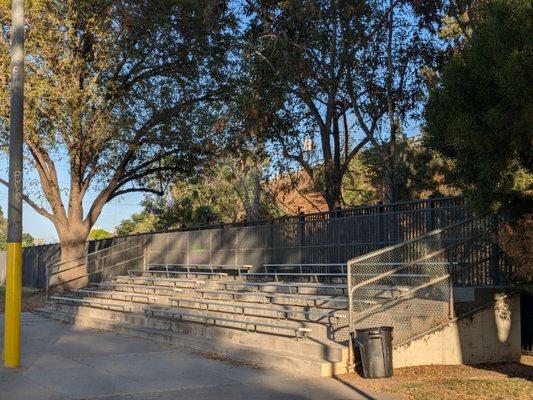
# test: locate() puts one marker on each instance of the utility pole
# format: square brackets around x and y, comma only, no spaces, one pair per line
[14,215]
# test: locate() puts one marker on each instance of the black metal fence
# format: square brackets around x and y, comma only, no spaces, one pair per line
[35,260]
[331,237]
[327,237]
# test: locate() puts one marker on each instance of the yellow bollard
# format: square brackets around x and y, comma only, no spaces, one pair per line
[13,305]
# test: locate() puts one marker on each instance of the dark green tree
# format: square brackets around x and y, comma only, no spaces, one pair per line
[299,51]
[480,114]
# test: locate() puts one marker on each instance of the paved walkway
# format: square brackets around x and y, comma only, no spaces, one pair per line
[64,362]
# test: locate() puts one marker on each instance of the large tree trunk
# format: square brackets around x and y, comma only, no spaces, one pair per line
[73,265]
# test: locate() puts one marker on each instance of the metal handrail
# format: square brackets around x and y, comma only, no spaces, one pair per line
[402,244]
[91,254]
[109,249]
[416,262]
[88,255]
[95,272]
[473,233]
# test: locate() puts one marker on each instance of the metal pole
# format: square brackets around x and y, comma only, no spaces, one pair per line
[14,216]
[351,333]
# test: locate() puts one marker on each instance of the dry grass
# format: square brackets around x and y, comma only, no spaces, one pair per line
[502,381]
[31,298]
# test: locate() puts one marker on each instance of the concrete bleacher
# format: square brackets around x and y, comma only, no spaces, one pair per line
[275,323]
[283,316]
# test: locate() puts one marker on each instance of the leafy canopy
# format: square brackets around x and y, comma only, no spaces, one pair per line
[120,93]
[480,114]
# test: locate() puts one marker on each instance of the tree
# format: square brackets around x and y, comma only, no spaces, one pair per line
[479,115]
[344,74]
[298,50]
[137,223]
[225,192]
[419,171]
[27,240]
[99,233]
[394,49]
[121,92]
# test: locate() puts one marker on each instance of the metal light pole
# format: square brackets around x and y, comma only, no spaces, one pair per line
[14,215]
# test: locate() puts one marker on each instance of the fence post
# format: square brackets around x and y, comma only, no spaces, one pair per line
[495,260]
[451,308]
[268,259]
[431,215]
[337,225]
[46,283]
[211,248]
[187,237]
[145,248]
[300,234]
[381,228]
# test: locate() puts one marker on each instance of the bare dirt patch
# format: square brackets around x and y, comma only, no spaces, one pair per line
[31,299]
[503,381]
[228,360]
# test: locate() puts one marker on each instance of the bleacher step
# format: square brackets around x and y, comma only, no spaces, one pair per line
[318,329]
[298,366]
[283,287]
[319,357]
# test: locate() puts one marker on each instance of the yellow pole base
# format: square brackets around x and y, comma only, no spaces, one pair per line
[13,305]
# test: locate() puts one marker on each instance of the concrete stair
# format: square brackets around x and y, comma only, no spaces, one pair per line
[300,364]
[282,325]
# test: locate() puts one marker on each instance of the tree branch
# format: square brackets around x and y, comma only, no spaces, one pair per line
[31,203]
[131,190]
[353,153]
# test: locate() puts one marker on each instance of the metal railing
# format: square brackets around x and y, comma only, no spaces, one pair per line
[443,203]
[98,265]
[318,238]
[324,238]
[409,286]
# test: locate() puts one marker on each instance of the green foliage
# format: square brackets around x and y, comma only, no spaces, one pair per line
[357,188]
[340,75]
[419,172]
[126,93]
[479,117]
[225,192]
[27,240]
[138,222]
[99,233]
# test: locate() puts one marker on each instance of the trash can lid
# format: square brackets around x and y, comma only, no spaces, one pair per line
[376,329]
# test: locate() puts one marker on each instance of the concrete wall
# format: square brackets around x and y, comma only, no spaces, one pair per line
[490,335]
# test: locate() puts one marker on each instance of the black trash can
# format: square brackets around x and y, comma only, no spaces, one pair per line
[375,348]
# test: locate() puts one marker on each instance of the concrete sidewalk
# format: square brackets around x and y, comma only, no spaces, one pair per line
[64,362]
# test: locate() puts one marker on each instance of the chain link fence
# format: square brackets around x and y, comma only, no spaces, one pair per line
[409,285]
